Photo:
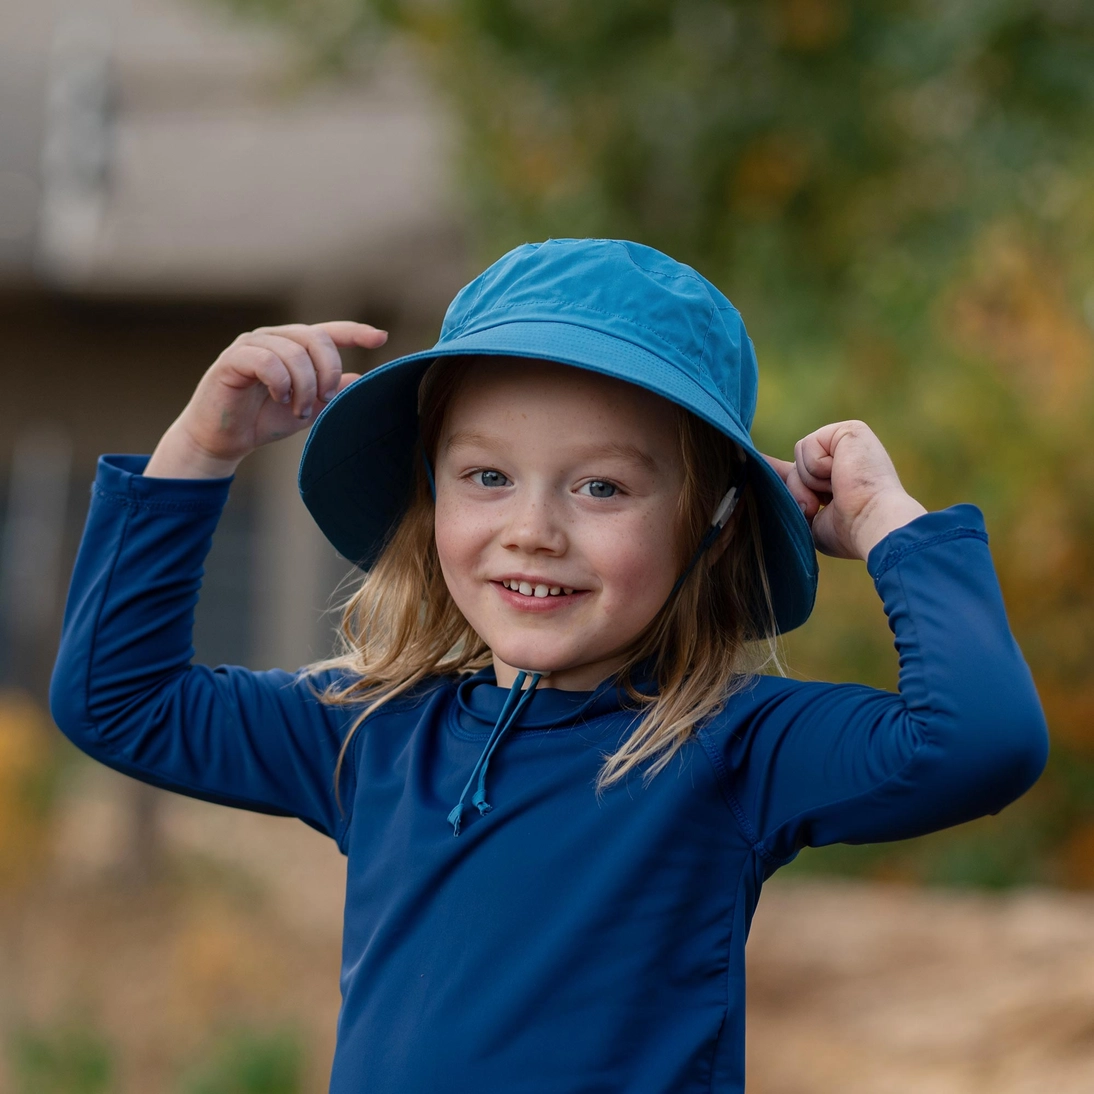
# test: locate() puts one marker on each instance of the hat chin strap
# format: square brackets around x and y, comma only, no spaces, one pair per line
[721,518]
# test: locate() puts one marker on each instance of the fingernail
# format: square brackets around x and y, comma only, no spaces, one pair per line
[802,506]
[286,397]
[305,413]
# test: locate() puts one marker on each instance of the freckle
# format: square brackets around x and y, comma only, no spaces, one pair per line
[225,419]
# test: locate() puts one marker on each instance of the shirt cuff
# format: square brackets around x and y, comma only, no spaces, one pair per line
[955,522]
[121,476]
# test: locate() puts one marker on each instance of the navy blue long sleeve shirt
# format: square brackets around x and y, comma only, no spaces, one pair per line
[560,943]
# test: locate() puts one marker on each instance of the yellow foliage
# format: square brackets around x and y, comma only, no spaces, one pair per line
[219,965]
[771,171]
[26,765]
[1014,310]
[810,25]
[1077,857]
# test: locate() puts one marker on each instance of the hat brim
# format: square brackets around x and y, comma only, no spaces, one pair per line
[358,464]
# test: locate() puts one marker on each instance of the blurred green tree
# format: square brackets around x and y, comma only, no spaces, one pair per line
[898,196]
[248,1062]
[69,1059]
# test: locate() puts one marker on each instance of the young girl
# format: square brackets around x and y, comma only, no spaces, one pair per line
[558,783]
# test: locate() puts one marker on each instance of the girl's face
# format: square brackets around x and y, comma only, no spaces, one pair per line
[557,515]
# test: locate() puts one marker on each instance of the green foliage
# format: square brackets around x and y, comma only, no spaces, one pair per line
[990,853]
[328,29]
[896,194]
[68,1059]
[246,1062]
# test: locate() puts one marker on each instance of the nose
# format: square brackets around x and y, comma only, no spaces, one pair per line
[535,524]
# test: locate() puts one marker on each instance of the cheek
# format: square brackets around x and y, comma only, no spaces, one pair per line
[460,536]
[641,565]
[451,539]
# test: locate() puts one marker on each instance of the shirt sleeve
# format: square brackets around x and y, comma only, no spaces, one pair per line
[124,688]
[815,763]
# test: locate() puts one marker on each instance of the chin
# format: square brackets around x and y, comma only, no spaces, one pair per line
[536,657]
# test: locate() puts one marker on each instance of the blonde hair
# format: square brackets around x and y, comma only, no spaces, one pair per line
[401,626]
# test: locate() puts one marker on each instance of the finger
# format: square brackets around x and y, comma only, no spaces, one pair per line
[259,363]
[782,467]
[300,365]
[321,349]
[813,461]
[807,500]
[345,332]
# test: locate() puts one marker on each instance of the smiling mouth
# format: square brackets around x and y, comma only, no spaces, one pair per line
[526,588]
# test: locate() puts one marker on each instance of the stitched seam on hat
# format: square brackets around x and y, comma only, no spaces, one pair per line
[703,353]
[583,307]
[478,293]
[686,272]
[899,553]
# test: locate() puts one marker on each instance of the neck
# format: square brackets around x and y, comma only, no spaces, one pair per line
[577,678]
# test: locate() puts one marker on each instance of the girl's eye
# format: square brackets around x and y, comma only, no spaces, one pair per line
[489,478]
[600,489]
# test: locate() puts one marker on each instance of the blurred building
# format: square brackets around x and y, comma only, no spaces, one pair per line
[168,179]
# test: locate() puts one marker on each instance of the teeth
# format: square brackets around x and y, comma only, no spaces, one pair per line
[526,588]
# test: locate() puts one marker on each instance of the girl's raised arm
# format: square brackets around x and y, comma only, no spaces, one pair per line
[813,763]
[124,688]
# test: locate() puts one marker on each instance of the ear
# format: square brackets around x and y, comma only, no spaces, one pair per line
[718,547]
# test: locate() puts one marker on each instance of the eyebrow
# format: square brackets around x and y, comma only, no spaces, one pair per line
[467,438]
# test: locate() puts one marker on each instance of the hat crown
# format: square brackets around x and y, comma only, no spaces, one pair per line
[626,290]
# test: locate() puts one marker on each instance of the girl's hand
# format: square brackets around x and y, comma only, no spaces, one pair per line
[268,384]
[848,488]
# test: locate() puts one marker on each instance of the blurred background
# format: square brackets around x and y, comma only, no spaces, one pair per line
[899,196]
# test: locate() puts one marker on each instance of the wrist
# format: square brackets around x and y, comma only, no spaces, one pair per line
[884,515]
[178,456]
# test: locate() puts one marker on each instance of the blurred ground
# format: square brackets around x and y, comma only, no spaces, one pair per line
[853,987]
[235,926]
[860,987]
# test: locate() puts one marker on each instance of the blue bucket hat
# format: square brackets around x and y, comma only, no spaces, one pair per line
[607,305]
